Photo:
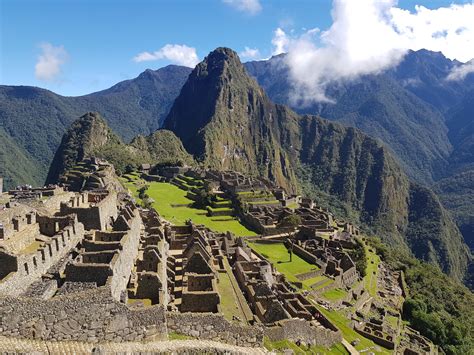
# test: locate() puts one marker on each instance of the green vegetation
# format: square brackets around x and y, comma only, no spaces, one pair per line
[370,279]
[339,319]
[35,119]
[438,306]
[359,256]
[282,345]
[16,164]
[178,336]
[277,254]
[335,294]
[323,284]
[292,220]
[90,136]
[173,205]
[229,303]
[457,194]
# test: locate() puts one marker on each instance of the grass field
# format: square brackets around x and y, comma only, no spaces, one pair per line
[277,254]
[340,321]
[229,303]
[335,294]
[173,205]
[281,345]
[370,279]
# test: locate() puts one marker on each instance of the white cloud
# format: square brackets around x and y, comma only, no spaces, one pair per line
[280,41]
[48,65]
[250,53]
[251,7]
[368,36]
[461,71]
[176,53]
[447,29]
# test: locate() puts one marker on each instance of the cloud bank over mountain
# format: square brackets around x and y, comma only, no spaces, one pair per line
[369,36]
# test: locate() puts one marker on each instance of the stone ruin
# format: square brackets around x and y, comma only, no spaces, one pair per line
[95,267]
[328,254]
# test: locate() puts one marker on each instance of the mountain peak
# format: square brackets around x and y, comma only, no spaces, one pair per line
[212,94]
[221,55]
[220,62]
[83,138]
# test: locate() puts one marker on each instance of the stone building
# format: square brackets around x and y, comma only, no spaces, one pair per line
[96,210]
[30,246]
[107,257]
[194,270]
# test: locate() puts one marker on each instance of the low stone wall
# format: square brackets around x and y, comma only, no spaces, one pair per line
[151,178]
[299,329]
[86,316]
[309,275]
[303,254]
[318,291]
[377,340]
[214,327]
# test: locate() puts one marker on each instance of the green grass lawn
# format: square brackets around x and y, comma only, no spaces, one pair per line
[278,255]
[229,303]
[324,284]
[393,321]
[281,345]
[340,321]
[370,279]
[335,294]
[172,204]
[178,336]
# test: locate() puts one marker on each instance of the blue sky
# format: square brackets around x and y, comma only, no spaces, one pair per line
[100,38]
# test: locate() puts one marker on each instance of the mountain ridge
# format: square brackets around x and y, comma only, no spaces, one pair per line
[273,141]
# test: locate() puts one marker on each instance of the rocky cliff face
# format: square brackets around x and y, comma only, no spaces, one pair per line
[227,122]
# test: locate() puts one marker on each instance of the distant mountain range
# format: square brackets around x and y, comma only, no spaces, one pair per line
[425,120]
[33,120]
[226,121]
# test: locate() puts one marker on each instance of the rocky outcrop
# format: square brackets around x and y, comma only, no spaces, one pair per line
[90,136]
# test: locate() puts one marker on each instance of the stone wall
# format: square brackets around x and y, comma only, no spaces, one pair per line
[309,275]
[299,329]
[303,254]
[123,267]
[377,340]
[214,327]
[92,215]
[31,266]
[87,316]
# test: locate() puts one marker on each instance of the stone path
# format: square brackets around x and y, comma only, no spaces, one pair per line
[349,347]
[15,345]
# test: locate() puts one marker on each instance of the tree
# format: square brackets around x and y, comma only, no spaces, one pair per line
[292,220]
[203,198]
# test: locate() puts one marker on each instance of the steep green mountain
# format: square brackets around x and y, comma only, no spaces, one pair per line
[457,194]
[378,105]
[35,119]
[425,119]
[21,168]
[460,121]
[90,136]
[424,74]
[227,121]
